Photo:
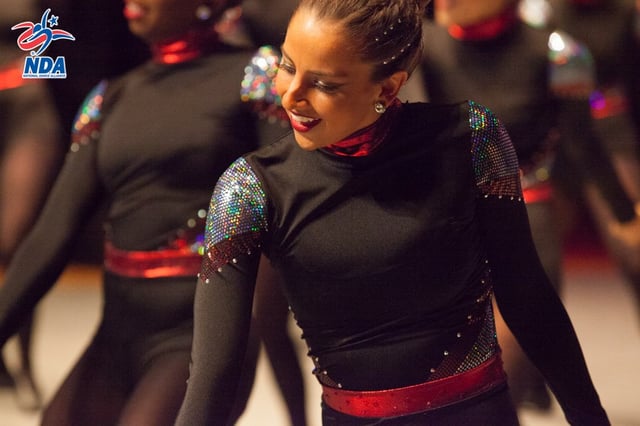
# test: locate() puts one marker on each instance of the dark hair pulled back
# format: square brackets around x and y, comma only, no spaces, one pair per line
[386,33]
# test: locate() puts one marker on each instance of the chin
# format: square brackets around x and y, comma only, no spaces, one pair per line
[306,144]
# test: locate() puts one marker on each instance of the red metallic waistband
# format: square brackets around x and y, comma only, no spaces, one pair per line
[417,398]
[151,264]
[538,193]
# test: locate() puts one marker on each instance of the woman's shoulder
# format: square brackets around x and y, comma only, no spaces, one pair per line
[473,125]
[433,107]
[429,116]
[465,111]
[275,151]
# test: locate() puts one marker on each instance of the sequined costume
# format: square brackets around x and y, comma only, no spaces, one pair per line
[148,144]
[390,260]
[611,30]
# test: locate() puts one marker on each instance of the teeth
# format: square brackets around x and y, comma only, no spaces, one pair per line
[302,119]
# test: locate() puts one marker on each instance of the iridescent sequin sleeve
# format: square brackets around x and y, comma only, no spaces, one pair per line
[494,159]
[236,219]
[86,125]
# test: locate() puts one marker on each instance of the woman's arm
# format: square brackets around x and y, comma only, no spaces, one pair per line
[224,296]
[44,253]
[533,310]
[222,316]
[529,304]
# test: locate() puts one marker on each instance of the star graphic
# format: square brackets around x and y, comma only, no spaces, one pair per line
[53,21]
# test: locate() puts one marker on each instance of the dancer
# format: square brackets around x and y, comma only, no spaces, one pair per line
[31,152]
[481,49]
[609,29]
[392,225]
[146,145]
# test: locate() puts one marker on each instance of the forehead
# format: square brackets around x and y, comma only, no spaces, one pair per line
[319,40]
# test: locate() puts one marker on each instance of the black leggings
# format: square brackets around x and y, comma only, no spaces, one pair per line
[135,369]
[95,392]
[491,409]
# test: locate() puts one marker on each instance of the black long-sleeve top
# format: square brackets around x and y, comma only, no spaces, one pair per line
[148,145]
[389,262]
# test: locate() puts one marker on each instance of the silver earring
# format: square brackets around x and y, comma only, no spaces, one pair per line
[203,12]
[379,107]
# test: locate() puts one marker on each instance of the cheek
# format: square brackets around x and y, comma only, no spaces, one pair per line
[281,82]
[343,117]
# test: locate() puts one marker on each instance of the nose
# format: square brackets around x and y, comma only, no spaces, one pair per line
[295,94]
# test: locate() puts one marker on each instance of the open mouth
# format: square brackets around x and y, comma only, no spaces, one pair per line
[301,123]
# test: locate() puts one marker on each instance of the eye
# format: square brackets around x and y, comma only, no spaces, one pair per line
[286,67]
[326,87]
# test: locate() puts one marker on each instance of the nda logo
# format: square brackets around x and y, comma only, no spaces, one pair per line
[36,38]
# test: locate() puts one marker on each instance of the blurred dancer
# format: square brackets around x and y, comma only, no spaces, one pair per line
[149,145]
[30,155]
[609,28]
[480,49]
[104,49]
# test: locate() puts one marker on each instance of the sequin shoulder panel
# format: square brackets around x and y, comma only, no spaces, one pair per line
[236,219]
[571,67]
[493,156]
[88,119]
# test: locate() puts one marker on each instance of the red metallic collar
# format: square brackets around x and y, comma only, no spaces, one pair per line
[365,141]
[488,29]
[192,45]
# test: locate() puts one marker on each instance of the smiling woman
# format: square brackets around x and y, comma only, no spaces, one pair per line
[324,89]
[393,226]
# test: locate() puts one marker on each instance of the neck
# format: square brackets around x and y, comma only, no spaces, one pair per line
[190,46]
[365,141]
[487,29]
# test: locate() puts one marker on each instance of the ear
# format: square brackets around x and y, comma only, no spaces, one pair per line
[392,84]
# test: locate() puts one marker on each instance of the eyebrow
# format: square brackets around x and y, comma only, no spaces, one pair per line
[317,73]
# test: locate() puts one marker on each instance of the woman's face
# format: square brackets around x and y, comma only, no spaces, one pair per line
[160,20]
[325,89]
[467,12]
